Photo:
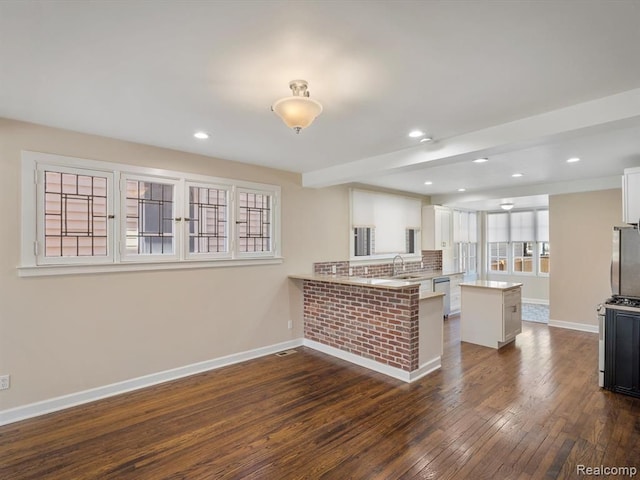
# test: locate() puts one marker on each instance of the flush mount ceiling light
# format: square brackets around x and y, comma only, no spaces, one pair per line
[462,189]
[201,135]
[426,139]
[428,182]
[573,160]
[517,175]
[506,206]
[297,111]
[416,133]
[481,160]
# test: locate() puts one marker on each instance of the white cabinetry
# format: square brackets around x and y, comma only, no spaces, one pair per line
[454,292]
[491,313]
[437,232]
[631,195]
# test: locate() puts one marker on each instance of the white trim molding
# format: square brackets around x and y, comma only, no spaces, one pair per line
[78,398]
[582,327]
[397,373]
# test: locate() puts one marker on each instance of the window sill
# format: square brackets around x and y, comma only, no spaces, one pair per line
[50,270]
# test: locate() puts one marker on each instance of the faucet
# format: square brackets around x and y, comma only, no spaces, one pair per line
[393,265]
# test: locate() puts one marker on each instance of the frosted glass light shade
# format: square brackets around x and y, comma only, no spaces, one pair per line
[297,112]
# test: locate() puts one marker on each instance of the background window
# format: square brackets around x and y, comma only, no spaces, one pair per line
[150,219]
[523,257]
[254,222]
[498,260]
[208,220]
[75,215]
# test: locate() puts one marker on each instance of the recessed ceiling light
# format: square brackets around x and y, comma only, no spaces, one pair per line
[516,175]
[462,189]
[426,139]
[416,133]
[573,160]
[481,160]
[201,135]
[428,183]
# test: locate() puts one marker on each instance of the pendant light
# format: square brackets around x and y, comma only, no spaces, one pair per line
[297,111]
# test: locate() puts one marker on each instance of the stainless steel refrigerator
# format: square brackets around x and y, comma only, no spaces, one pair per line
[625,264]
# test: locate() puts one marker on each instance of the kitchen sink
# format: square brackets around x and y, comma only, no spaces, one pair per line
[409,276]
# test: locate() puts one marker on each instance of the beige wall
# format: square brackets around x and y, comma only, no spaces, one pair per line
[533,287]
[580,237]
[125,325]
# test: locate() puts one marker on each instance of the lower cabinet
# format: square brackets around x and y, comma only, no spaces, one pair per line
[622,352]
[455,293]
[491,317]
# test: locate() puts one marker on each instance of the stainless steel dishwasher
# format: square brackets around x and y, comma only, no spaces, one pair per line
[441,284]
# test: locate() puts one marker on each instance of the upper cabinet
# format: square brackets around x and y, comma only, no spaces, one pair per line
[436,227]
[631,195]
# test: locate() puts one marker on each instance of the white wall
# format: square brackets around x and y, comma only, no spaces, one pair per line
[64,334]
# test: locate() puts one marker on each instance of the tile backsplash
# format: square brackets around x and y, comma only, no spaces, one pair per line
[431,261]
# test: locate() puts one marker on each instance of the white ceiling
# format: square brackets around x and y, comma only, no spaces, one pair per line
[528,84]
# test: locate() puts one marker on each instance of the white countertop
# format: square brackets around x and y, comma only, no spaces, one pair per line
[429,295]
[492,284]
[358,281]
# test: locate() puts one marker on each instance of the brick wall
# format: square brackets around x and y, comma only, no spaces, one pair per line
[375,323]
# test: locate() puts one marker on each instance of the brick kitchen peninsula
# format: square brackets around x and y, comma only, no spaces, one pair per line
[382,324]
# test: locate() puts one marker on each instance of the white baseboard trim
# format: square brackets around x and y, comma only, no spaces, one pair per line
[583,327]
[66,401]
[394,372]
[536,301]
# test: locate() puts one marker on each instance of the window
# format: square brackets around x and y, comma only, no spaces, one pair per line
[518,242]
[465,238]
[522,257]
[73,213]
[395,219]
[254,222]
[78,213]
[543,257]
[498,259]
[149,212]
[412,240]
[208,221]
[542,236]
[363,241]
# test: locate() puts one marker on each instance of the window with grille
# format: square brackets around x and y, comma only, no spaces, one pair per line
[254,222]
[80,212]
[208,220]
[149,217]
[75,215]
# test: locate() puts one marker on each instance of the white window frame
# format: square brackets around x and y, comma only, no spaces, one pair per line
[273,194]
[507,257]
[511,243]
[533,257]
[40,242]
[32,265]
[227,254]
[177,231]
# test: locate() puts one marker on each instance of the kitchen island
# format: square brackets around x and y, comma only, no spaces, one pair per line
[383,324]
[491,312]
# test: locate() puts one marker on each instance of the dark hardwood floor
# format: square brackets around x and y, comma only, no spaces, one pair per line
[532,410]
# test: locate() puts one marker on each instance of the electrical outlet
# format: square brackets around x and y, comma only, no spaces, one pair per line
[290,324]
[350,271]
[366,270]
[334,269]
[5,382]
